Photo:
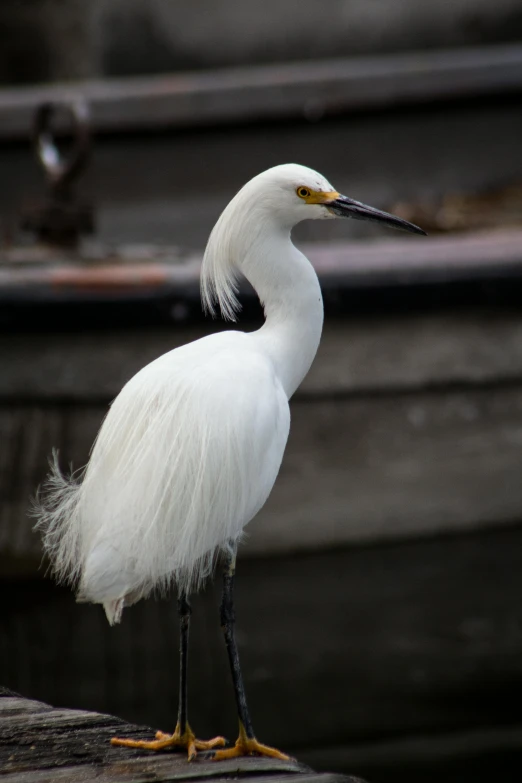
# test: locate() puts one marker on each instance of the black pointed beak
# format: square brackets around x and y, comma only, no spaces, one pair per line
[347,207]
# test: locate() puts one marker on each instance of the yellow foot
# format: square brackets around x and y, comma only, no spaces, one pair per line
[187,740]
[246,746]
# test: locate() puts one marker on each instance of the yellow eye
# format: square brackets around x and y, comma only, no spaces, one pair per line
[303,192]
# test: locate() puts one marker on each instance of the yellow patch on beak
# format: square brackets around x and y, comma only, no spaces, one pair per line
[317,196]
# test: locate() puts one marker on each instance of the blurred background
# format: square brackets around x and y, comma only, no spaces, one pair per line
[379,591]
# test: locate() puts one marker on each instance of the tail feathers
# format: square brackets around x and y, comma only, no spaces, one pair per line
[114,609]
[113,606]
[55,508]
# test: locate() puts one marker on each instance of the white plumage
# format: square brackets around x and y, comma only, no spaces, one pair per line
[180,464]
[192,445]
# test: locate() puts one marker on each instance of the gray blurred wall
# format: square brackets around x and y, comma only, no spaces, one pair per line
[46,40]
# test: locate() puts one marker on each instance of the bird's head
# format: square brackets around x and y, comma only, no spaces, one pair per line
[262,213]
[295,193]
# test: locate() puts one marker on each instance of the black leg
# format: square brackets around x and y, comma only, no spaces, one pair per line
[246,744]
[183,736]
[184,611]
[228,622]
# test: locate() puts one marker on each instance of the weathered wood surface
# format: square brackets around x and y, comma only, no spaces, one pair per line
[358,356]
[286,90]
[361,470]
[395,155]
[404,427]
[40,744]
[371,661]
[99,273]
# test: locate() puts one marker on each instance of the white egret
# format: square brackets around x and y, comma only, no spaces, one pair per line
[192,445]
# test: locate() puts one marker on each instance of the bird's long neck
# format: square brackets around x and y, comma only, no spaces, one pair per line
[289,290]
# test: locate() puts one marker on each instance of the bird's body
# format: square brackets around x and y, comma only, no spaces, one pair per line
[192,445]
[187,456]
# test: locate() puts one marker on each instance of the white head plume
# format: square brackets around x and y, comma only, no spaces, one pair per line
[268,198]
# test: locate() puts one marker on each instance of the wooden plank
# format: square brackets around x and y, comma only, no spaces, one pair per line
[357,356]
[134,179]
[355,470]
[311,89]
[14,705]
[26,436]
[371,470]
[43,743]
[162,772]
[42,273]
[348,648]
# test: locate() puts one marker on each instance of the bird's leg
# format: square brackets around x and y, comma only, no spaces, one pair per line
[183,736]
[246,743]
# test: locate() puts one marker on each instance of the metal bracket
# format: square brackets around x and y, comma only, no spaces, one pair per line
[61,219]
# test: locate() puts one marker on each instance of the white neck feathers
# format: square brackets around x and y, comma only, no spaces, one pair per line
[250,239]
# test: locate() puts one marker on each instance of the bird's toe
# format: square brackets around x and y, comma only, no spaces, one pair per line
[249,747]
[216,742]
[184,741]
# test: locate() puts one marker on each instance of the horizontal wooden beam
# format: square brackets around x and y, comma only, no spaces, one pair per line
[98,272]
[39,742]
[383,356]
[355,470]
[310,90]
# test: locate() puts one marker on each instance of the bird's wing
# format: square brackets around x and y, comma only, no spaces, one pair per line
[187,455]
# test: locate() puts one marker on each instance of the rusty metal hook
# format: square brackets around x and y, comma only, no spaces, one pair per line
[61,218]
[60,170]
